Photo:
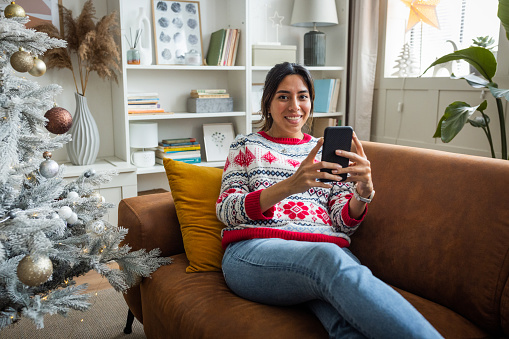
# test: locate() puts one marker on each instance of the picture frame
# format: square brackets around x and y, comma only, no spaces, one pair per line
[217,139]
[177,30]
[40,12]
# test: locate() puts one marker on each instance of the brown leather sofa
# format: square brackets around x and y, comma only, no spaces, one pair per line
[437,231]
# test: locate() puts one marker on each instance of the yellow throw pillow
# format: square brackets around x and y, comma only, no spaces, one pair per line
[195,190]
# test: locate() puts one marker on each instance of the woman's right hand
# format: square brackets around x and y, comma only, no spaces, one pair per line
[309,171]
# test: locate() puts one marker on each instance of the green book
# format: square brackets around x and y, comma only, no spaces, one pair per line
[216,47]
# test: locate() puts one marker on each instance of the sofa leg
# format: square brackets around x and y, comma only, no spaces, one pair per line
[129,324]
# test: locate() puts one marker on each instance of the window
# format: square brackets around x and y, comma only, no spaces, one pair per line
[409,53]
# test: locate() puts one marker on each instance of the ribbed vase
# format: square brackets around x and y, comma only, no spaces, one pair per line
[84,146]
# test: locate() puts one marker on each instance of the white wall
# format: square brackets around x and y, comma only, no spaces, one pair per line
[98,91]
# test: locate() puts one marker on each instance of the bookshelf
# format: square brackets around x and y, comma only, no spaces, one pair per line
[174,82]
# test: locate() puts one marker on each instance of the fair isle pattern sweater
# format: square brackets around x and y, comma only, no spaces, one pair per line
[258,161]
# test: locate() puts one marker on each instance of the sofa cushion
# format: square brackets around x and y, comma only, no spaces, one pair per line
[195,190]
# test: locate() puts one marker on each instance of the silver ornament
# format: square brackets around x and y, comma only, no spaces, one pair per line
[48,168]
[34,273]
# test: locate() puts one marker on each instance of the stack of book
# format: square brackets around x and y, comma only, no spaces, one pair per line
[180,149]
[223,47]
[326,95]
[138,103]
[209,93]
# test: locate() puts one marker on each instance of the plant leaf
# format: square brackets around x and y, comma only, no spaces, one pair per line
[456,116]
[499,92]
[438,132]
[503,15]
[479,121]
[482,59]
[473,80]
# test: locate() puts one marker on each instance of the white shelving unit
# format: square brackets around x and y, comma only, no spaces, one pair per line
[174,82]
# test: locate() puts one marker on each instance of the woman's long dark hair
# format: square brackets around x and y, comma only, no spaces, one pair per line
[272,81]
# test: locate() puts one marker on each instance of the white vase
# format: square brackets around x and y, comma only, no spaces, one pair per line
[145,43]
[84,146]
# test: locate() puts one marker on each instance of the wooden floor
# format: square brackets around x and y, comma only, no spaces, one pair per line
[94,280]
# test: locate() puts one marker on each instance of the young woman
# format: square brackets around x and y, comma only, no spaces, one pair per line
[287,234]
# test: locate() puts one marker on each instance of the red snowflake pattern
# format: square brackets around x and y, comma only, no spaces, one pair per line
[248,157]
[269,157]
[225,194]
[293,162]
[322,214]
[296,210]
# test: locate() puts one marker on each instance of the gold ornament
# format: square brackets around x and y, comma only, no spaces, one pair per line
[39,68]
[34,273]
[14,10]
[21,61]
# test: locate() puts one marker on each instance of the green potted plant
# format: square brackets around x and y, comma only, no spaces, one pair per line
[459,113]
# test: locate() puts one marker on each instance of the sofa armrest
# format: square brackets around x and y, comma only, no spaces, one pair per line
[152,223]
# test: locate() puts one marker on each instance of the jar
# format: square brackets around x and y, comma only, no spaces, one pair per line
[193,58]
[133,56]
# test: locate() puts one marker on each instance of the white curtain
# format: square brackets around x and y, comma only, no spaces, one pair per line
[363,54]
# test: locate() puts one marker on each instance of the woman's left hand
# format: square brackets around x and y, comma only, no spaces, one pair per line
[359,168]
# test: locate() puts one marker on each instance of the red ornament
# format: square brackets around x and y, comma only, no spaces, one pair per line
[59,120]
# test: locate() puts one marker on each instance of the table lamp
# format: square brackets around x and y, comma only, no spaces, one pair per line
[143,135]
[313,13]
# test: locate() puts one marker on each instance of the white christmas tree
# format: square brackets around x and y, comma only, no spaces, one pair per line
[50,230]
[405,64]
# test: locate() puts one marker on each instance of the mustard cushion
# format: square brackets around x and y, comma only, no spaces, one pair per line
[195,190]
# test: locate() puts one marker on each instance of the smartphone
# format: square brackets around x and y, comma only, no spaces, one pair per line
[336,137]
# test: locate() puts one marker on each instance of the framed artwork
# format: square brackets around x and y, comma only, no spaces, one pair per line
[177,30]
[40,11]
[217,139]
[256,98]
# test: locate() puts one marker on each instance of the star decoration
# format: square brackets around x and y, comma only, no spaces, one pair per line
[422,11]
[276,19]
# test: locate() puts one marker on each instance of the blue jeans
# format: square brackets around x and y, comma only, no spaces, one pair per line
[346,297]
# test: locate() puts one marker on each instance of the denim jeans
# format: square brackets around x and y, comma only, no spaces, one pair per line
[346,297]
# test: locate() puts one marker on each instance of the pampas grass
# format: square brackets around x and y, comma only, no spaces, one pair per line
[91,46]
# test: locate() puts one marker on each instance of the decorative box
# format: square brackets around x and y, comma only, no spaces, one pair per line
[269,55]
[206,105]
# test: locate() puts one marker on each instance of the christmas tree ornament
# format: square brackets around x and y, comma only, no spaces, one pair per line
[38,69]
[59,120]
[14,11]
[95,227]
[48,168]
[89,173]
[22,61]
[65,212]
[73,196]
[72,219]
[34,272]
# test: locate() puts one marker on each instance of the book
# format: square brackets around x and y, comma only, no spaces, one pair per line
[235,48]
[178,148]
[216,47]
[143,106]
[150,110]
[142,95]
[178,155]
[208,91]
[323,94]
[186,160]
[222,62]
[178,140]
[178,144]
[209,96]
[335,96]
[149,113]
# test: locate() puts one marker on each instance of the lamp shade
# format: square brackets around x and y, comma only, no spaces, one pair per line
[307,13]
[143,134]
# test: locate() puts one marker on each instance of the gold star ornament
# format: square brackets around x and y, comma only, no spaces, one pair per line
[422,11]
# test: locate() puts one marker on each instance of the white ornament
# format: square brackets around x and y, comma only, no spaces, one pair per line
[73,196]
[73,219]
[97,227]
[65,212]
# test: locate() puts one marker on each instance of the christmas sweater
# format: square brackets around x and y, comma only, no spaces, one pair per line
[258,161]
